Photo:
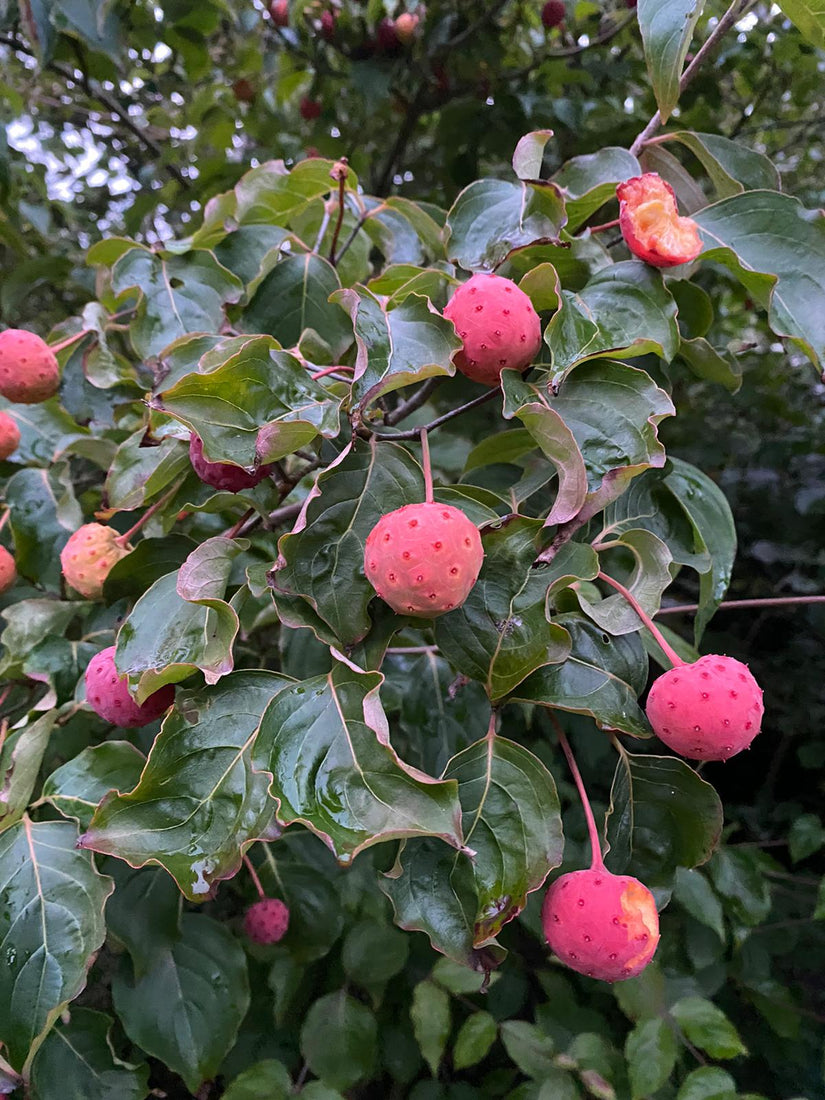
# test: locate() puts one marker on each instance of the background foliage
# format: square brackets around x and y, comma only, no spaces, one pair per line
[124,120]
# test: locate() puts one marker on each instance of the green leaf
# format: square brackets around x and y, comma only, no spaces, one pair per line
[511,820]
[529,154]
[339,1040]
[267,1080]
[708,511]
[500,634]
[51,927]
[173,630]
[776,249]
[325,742]
[661,816]
[21,755]
[219,806]
[490,218]
[819,911]
[667,27]
[374,953]
[732,167]
[603,677]
[534,408]
[187,1009]
[44,513]
[650,577]
[179,294]
[431,1017]
[138,473]
[475,1037]
[151,559]
[707,1083]
[77,787]
[322,560]
[46,430]
[143,913]
[809,18]
[738,875]
[712,365]
[708,1027]
[625,309]
[77,1062]
[396,347]
[589,181]
[805,837]
[651,1050]
[528,1046]
[695,894]
[293,298]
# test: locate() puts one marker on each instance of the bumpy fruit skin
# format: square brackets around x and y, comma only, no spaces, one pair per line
[423,559]
[223,475]
[108,694]
[29,372]
[88,556]
[709,710]
[602,925]
[405,26]
[553,13]
[309,108]
[650,222]
[9,435]
[8,570]
[266,921]
[498,326]
[279,12]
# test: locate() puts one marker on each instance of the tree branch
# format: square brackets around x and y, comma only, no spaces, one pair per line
[735,605]
[414,433]
[419,398]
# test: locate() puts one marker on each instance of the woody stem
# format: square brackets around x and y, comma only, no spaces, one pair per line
[670,652]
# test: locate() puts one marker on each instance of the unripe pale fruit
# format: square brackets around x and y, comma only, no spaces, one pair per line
[709,710]
[29,372]
[423,559]
[309,108]
[498,326]
[266,921]
[9,435]
[223,475]
[405,26]
[279,11]
[650,222]
[88,556]
[8,570]
[108,694]
[553,13]
[600,924]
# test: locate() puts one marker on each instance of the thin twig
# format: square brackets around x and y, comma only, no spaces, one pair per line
[419,398]
[235,529]
[734,13]
[283,514]
[340,173]
[414,433]
[734,605]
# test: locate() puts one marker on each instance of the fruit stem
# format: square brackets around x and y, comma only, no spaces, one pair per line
[235,529]
[123,540]
[605,225]
[596,861]
[253,874]
[329,370]
[5,518]
[339,173]
[55,348]
[428,470]
[669,651]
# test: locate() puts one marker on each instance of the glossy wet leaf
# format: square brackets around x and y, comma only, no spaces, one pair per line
[219,805]
[500,634]
[732,167]
[651,1050]
[44,512]
[603,677]
[587,182]
[708,1027]
[187,1009]
[808,16]
[325,742]
[667,27]
[78,1062]
[78,786]
[21,755]
[143,914]
[51,927]
[139,473]
[662,816]
[648,580]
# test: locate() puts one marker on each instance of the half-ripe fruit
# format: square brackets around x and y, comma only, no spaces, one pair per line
[600,924]
[709,710]
[8,570]
[9,435]
[108,694]
[497,325]
[423,559]
[29,371]
[88,556]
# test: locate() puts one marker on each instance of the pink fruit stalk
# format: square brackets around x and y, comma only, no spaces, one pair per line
[8,570]
[553,13]
[9,435]
[498,326]
[89,555]
[709,710]
[108,694]
[598,923]
[266,921]
[29,372]
[650,222]
[223,475]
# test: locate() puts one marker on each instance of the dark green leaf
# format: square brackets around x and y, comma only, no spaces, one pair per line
[432,1022]
[138,473]
[707,1083]
[143,913]
[651,1050]
[77,1062]
[738,875]
[806,836]
[21,755]
[650,577]
[589,181]
[475,1037]
[667,27]
[490,218]
[528,1046]
[151,559]
[267,1080]
[44,513]
[339,1040]
[732,167]
[708,1027]
[695,894]
[712,365]
[77,787]
[374,952]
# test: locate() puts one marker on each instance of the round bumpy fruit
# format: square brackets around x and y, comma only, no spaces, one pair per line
[266,921]
[709,710]
[108,694]
[406,25]
[279,12]
[88,556]
[223,475]
[9,435]
[423,559]
[29,372]
[498,326]
[8,570]
[309,108]
[553,13]
[602,925]
[650,222]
